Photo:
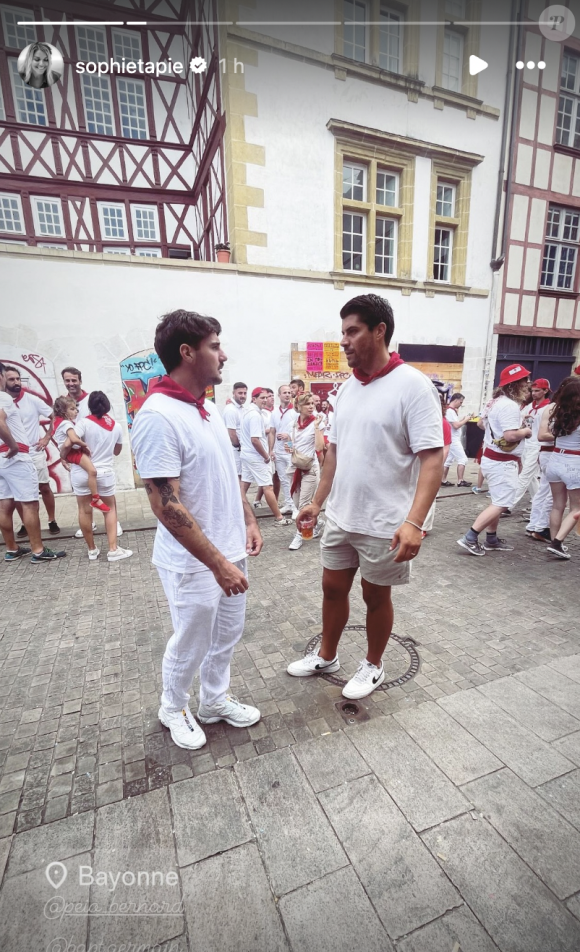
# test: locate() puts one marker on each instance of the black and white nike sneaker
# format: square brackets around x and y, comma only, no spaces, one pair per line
[367,678]
[312,664]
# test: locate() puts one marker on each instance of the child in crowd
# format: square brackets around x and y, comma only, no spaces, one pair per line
[72,448]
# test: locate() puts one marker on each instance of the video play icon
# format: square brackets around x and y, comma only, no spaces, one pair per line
[476,65]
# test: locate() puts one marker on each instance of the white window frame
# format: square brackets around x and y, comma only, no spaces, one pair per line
[89,85]
[123,84]
[83,39]
[348,164]
[135,209]
[51,244]
[450,232]
[130,36]
[101,206]
[28,95]
[362,215]
[569,97]
[17,198]
[440,203]
[394,175]
[396,17]
[448,80]
[350,47]
[28,33]
[34,201]
[394,239]
[117,251]
[562,247]
[148,252]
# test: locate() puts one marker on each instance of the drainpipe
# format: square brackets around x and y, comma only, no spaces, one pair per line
[516,42]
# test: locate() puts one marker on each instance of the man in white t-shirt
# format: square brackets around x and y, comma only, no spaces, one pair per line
[270,436]
[500,462]
[256,456]
[378,500]
[456,452]
[283,419]
[232,419]
[205,532]
[18,483]
[33,410]
[532,414]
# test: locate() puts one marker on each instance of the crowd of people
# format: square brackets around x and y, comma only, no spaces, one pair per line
[300,452]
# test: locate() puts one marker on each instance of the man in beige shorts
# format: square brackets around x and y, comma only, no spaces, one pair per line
[377,502]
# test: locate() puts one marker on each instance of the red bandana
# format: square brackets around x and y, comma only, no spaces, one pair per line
[284,410]
[106,422]
[307,422]
[19,397]
[170,388]
[394,361]
[542,403]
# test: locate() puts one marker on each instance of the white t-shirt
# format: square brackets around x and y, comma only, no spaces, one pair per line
[505,414]
[252,425]
[101,443]
[232,417]
[536,416]
[305,440]
[452,417]
[60,434]
[14,421]
[267,414]
[83,405]
[378,431]
[283,422]
[170,438]
[33,410]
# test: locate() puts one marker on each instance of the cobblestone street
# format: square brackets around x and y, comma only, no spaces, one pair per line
[377,832]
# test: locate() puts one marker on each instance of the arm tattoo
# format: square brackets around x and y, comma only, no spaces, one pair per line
[175,519]
[165,487]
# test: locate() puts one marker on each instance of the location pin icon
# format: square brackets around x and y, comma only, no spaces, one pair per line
[56,874]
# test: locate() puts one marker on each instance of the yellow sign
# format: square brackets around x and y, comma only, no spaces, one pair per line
[331,356]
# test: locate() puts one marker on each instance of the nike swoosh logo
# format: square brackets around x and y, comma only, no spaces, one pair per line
[376,679]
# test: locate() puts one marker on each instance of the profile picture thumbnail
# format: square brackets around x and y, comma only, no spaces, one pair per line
[40,65]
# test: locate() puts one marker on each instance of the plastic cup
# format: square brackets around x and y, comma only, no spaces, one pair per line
[307,528]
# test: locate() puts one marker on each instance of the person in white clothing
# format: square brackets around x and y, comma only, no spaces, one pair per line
[532,412]
[503,446]
[282,420]
[34,410]
[256,456]
[232,419]
[270,437]
[307,442]
[456,452]
[561,420]
[378,500]
[205,531]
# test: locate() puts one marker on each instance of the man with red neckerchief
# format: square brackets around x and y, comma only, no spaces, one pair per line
[378,500]
[72,379]
[205,530]
[532,414]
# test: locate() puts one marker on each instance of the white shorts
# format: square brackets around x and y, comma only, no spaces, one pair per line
[41,465]
[564,468]
[352,550]
[18,479]
[106,483]
[256,471]
[238,459]
[456,454]
[502,480]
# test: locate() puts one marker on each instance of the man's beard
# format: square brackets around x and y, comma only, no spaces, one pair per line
[14,390]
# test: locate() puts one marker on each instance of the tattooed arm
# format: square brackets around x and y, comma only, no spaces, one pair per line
[167,506]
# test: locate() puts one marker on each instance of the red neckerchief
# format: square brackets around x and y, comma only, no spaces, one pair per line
[282,412]
[57,422]
[365,379]
[307,422]
[170,388]
[538,406]
[106,422]
[19,397]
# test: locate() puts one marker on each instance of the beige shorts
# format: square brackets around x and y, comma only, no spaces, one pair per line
[39,460]
[351,550]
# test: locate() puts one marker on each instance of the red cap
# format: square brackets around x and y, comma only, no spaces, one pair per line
[512,373]
[577,369]
[257,391]
[541,383]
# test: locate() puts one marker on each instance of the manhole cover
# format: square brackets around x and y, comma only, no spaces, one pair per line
[401,659]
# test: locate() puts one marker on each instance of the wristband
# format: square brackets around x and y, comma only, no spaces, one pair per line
[420,528]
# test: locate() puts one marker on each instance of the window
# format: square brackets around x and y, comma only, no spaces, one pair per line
[445,205]
[149,252]
[51,244]
[29,102]
[387,188]
[17,37]
[113,221]
[145,222]
[117,251]
[98,109]
[390,40]
[353,182]
[452,61]
[455,9]
[355,31]
[47,216]
[92,44]
[385,246]
[11,219]
[131,94]
[353,241]
[568,124]
[127,45]
[442,254]
[561,248]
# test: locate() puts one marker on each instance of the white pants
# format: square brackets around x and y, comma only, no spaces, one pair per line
[456,454]
[282,464]
[430,518]
[207,625]
[542,502]
[528,480]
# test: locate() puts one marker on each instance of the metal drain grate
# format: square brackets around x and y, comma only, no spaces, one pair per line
[352,712]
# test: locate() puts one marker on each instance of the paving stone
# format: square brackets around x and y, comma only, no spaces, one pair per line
[34,849]
[422,791]
[530,709]
[543,839]
[459,755]
[574,906]
[5,845]
[333,914]
[329,761]
[569,666]
[303,847]
[249,920]
[554,686]
[205,830]
[458,929]
[569,747]
[403,881]
[564,794]
[520,750]
[517,910]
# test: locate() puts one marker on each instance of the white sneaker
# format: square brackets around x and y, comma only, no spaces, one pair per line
[257,504]
[312,664]
[318,528]
[295,514]
[296,542]
[185,731]
[231,711]
[79,532]
[117,554]
[94,554]
[367,678]
[287,510]
[284,521]
[119,530]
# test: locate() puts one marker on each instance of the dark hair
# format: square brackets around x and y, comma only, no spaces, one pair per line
[99,403]
[237,386]
[372,310]
[456,396]
[565,417]
[9,369]
[267,389]
[181,327]
[2,368]
[299,382]
[61,405]
[71,370]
